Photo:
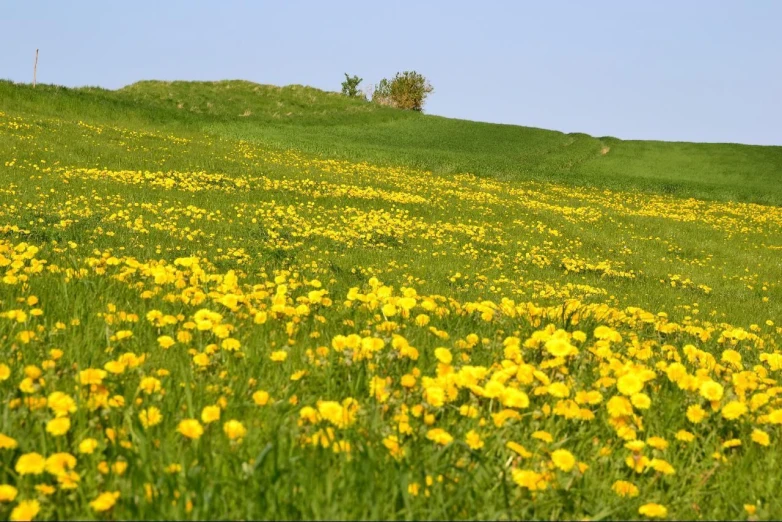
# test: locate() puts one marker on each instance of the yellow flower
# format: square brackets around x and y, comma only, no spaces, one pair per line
[7,493]
[543,435]
[685,436]
[230,344]
[91,376]
[150,417]
[513,398]
[563,459]
[662,466]
[149,385]
[435,396]
[760,437]
[439,436]
[234,429]
[58,426]
[394,447]
[87,446]
[657,443]
[119,467]
[201,360]
[25,510]
[775,417]
[30,464]
[165,342]
[619,407]
[711,390]
[59,463]
[279,356]
[210,414]
[105,501]
[518,449]
[676,372]
[45,489]
[625,489]
[7,442]
[695,414]
[636,446]
[629,384]
[529,479]
[641,401]
[190,428]
[443,355]
[261,398]
[653,510]
[733,410]
[61,404]
[115,367]
[560,347]
[474,440]
[558,389]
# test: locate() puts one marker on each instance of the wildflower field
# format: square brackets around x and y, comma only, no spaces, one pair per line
[198,325]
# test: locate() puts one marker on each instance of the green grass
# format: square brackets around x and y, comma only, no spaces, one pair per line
[327,123]
[495,234]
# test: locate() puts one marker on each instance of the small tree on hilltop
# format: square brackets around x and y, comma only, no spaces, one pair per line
[407,90]
[350,86]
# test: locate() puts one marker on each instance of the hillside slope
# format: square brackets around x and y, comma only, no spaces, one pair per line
[203,326]
[321,122]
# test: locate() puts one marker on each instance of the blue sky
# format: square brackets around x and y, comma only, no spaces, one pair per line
[693,71]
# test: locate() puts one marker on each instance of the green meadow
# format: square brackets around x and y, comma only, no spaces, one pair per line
[230,300]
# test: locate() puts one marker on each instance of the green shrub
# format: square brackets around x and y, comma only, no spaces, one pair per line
[350,86]
[407,90]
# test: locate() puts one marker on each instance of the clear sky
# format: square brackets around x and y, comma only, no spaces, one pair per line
[706,70]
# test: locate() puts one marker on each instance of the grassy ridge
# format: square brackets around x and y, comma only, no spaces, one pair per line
[326,123]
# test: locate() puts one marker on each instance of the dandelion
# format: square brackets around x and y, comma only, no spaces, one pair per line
[653,511]
[439,436]
[190,428]
[58,426]
[210,414]
[25,510]
[7,493]
[104,501]
[760,437]
[629,384]
[474,440]
[88,446]
[7,442]
[563,459]
[733,410]
[234,429]
[150,417]
[625,489]
[711,390]
[261,398]
[30,464]
[279,356]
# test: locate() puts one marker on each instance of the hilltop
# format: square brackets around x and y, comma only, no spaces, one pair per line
[327,123]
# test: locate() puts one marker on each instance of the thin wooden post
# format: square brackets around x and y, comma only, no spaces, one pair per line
[35,67]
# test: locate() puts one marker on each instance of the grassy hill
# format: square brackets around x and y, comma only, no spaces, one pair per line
[232,301]
[327,123]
